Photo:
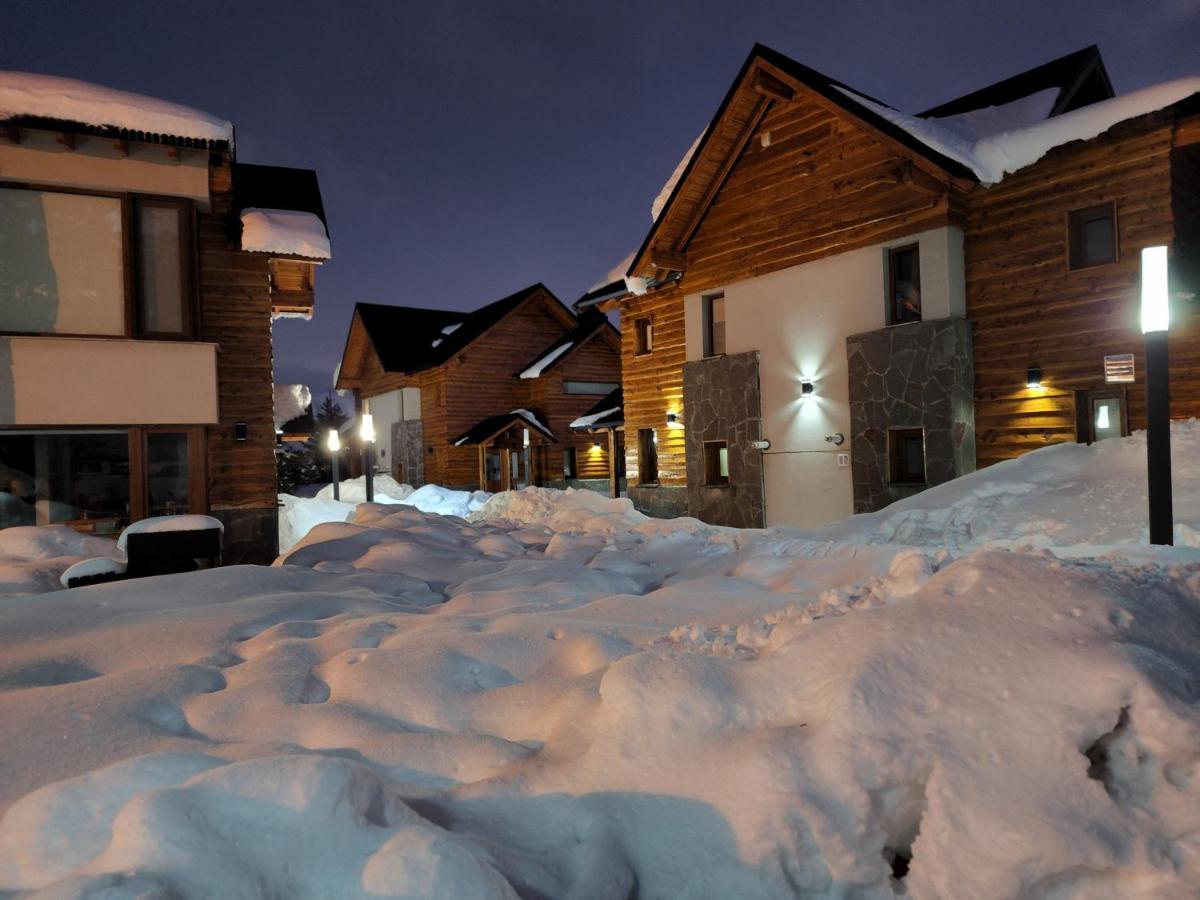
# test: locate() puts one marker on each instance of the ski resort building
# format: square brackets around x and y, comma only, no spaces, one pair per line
[839,304]
[484,399]
[141,266]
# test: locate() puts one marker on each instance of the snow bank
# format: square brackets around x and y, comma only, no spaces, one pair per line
[291,401]
[51,97]
[284,231]
[354,490]
[32,559]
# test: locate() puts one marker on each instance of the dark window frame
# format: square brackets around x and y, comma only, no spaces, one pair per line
[189,255]
[707,302]
[585,388]
[897,467]
[712,464]
[647,451]
[1077,222]
[894,316]
[643,335]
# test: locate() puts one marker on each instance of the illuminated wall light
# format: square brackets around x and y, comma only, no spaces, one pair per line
[806,387]
[1033,377]
[1156,308]
[673,420]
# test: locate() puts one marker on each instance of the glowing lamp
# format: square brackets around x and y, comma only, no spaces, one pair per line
[366,429]
[673,420]
[1102,418]
[1033,377]
[333,441]
[806,387]
[1156,310]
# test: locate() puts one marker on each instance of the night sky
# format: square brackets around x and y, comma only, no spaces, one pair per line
[466,150]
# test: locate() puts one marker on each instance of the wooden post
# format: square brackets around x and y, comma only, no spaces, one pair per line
[614,483]
[483,486]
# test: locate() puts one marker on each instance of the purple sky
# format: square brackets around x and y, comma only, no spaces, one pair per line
[466,150]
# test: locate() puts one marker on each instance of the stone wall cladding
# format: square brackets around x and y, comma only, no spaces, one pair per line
[722,402]
[918,375]
[659,501]
[408,449]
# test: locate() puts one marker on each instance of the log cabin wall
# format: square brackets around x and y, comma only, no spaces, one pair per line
[235,313]
[1028,308]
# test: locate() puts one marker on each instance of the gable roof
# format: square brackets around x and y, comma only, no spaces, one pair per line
[590,323]
[409,339]
[608,413]
[1080,79]
[486,429]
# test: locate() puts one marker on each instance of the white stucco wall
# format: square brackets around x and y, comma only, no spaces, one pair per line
[798,320]
[400,405]
[86,381]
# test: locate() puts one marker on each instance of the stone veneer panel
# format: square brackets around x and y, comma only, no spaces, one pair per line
[917,375]
[722,402]
[659,501]
[408,449]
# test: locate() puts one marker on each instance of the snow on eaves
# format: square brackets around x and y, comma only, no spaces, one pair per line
[52,97]
[665,194]
[994,155]
[284,231]
[536,370]
[526,414]
[590,420]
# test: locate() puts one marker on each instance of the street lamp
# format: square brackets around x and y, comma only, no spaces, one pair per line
[366,431]
[333,443]
[1156,318]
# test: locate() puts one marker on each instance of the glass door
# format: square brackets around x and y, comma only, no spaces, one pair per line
[172,476]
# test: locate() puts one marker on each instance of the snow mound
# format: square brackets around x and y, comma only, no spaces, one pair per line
[291,401]
[33,558]
[284,231]
[51,97]
[161,524]
[354,490]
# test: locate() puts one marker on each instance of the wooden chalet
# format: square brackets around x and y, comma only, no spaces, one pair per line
[483,399]
[835,308]
[141,266]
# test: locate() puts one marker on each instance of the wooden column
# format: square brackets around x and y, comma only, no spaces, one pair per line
[482,467]
[614,483]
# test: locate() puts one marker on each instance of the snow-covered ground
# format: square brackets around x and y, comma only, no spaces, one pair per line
[988,691]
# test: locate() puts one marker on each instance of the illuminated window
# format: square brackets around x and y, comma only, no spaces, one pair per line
[716,463]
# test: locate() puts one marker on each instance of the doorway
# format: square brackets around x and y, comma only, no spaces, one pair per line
[1100,415]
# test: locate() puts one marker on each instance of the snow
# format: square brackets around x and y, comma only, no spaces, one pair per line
[536,370]
[291,401]
[564,698]
[89,568]
[588,421]
[32,559]
[664,195]
[450,329]
[994,154]
[48,96]
[284,231]
[526,414]
[162,524]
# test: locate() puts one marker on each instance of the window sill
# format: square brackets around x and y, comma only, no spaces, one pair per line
[718,486]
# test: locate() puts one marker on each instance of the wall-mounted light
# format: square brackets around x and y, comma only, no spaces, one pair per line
[240,431]
[806,387]
[366,429]
[673,420]
[595,445]
[1033,377]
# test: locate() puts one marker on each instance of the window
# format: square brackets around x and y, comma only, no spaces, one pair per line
[1092,236]
[569,462]
[906,455]
[1100,415]
[62,264]
[643,333]
[714,325]
[596,388]
[904,284]
[647,456]
[716,463]
[77,478]
[167,473]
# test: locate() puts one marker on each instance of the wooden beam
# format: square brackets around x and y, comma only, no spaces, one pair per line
[67,140]
[668,259]
[920,180]
[482,468]
[121,146]
[731,158]
[11,133]
[769,86]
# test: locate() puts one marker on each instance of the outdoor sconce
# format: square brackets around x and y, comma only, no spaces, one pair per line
[762,445]
[240,431]
[806,388]
[836,439]
[595,445]
[673,420]
[1033,377]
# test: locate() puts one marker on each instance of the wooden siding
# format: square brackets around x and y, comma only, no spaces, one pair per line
[235,313]
[1028,308]
[292,286]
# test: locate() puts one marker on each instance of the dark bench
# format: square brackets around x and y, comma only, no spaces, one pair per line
[162,553]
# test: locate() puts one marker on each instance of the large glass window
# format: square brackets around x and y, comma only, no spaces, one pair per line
[904,284]
[79,479]
[61,263]
[167,480]
[161,308]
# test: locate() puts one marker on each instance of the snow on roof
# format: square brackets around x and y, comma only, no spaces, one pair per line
[160,524]
[526,414]
[51,97]
[285,231]
[291,401]
[665,194]
[591,419]
[535,371]
[993,155]
[634,284]
[1020,113]
[450,329]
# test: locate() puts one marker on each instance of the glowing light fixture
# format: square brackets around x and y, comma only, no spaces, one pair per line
[366,429]
[1156,308]
[1033,377]
[806,387]
[333,441]
[673,420]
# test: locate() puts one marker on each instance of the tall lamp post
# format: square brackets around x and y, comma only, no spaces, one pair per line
[366,431]
[1156,319]
[334,444]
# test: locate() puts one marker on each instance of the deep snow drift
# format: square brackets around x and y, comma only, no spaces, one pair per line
[565,699]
